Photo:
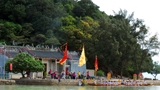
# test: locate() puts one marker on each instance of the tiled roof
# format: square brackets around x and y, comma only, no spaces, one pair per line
[2,51]
[47,54]
[43,54]
[12,54]
[73,57]
[52,54]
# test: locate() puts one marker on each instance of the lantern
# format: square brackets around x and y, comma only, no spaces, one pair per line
[140,76]
[10,66]
[108,75]
[134,76]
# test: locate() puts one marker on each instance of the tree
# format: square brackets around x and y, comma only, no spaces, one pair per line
[24,62]
[11,32]
[39,39]
[51,39]
[155,70]
[86,8]
[13,10]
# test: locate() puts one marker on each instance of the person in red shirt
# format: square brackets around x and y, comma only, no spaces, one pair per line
[54,75]
[50,72]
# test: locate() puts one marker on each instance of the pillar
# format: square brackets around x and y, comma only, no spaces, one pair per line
[56,65]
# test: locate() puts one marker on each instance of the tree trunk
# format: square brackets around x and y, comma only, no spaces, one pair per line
[121,74]
[155,77]
[23,75]
[121,69]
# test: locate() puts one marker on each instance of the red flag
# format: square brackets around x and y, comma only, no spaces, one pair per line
[65,55]
[96,63]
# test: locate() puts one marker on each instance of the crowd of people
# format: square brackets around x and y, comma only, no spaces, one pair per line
[68,75]
[121,82]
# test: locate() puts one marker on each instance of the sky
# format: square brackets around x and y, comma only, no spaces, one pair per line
[147,10]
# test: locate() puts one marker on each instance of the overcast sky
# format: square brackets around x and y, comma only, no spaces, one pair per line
[147,10]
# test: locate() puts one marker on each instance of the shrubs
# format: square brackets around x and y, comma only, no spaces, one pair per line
[100,73]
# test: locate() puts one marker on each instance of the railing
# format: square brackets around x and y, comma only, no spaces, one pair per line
[4,76]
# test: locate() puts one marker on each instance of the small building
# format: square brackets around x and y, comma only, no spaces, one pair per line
[50,58]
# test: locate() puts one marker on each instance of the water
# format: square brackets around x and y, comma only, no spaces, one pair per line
[35,87]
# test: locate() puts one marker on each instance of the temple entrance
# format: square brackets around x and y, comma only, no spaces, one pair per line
[59,68]
[45,67]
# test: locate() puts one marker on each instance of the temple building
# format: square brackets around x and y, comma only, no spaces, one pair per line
[49,56]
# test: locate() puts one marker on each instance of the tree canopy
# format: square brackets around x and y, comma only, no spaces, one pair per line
[24,62]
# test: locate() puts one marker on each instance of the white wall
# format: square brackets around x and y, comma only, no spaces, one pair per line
[91,71]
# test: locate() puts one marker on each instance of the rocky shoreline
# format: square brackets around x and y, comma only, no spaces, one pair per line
[7,82]
[66,82]
[153,82]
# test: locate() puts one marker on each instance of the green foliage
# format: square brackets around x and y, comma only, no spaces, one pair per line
[100,73]
[24,62]
[155,70]
[85,8]
[39,38]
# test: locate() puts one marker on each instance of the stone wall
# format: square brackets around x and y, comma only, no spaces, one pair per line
[66,82]
[153,82]
[7,82]
[46,82]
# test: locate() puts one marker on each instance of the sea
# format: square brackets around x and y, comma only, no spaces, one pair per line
[45,87]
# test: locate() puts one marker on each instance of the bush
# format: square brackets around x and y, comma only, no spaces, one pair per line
[100,73]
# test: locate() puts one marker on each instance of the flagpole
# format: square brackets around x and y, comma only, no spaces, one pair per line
[4,61]
[64,68]
[95,72]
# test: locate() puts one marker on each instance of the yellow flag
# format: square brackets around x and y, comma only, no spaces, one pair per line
[82,59]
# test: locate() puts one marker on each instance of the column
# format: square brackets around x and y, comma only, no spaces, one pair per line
[56,65]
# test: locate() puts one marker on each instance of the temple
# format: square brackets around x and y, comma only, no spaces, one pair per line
[49,56]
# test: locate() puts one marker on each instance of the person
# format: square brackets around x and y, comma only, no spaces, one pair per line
[74,75]
[50,72]
[53,75]
[101,81]
[79,75]
[84,82]
[59,79]
[80,83]
[95,82]
[67,74]
[88,76]
[83,75]
[62,74]
[70,75]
